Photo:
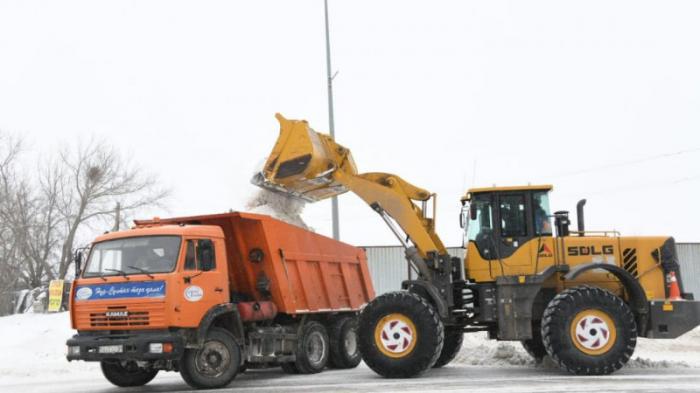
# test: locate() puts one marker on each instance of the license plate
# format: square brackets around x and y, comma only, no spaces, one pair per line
[111,349]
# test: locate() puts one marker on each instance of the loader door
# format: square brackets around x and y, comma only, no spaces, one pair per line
[512,218]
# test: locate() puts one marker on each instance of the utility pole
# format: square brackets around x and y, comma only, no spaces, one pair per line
[331,123]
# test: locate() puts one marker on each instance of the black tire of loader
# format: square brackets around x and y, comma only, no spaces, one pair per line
[429,340]
[338,332]
[188,367]
[534,346]
[453,343]
[556,331]
[123,377]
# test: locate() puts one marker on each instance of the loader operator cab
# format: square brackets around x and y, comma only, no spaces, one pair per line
[498,220]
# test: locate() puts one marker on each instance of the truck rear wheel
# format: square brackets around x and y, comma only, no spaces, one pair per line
[312,349]
[126,373]
[453,343]
[400,335]
[589,331]
[215,364]
[343,339]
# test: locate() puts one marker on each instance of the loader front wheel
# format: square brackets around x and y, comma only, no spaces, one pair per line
[400,335]
[589,331]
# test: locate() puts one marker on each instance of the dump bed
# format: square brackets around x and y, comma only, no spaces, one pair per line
[299,270]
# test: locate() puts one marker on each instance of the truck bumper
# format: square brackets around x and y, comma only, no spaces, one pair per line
[128,346]
[672,319]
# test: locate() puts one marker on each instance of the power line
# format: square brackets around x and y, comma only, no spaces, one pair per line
[625,163]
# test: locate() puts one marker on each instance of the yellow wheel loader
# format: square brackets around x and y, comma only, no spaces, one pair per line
[580,297]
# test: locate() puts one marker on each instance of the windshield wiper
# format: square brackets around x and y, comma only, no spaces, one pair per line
[142,270]
[122,272]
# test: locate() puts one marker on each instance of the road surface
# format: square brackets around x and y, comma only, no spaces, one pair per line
[455,378]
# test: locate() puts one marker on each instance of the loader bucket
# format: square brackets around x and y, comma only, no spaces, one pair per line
[303,163]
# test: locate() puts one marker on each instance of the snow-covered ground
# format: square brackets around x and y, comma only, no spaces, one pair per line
[33,346]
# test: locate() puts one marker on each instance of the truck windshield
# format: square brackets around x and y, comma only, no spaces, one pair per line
[133,255]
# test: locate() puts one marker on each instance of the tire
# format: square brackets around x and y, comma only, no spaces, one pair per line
[534,346]
[289,368]
[453,343]
[215,364]
[312,350]
[345,352]
[126,374]
[589,331]
[400,335]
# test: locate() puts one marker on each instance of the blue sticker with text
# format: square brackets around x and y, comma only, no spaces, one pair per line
[142,289]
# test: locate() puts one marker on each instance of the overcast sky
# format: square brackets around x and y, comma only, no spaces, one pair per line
[599,98]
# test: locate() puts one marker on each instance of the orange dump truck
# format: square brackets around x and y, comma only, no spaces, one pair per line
[210,296]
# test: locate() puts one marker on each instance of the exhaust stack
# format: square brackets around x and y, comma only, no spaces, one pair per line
[579,216]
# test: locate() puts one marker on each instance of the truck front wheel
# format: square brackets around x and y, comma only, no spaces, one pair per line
[589,331]
[400,335]
[215,364]
[126,374]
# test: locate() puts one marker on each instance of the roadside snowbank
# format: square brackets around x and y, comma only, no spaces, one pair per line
[281,207]
[34,345]
[684,351]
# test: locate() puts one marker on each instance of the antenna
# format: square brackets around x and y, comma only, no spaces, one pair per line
[331,122]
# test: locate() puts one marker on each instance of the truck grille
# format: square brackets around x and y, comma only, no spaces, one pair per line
[119,317]
[130,316]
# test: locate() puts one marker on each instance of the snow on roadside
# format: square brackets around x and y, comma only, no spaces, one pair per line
[34,345]
[478,350]
[279,206]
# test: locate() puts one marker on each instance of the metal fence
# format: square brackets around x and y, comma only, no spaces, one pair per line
[388,267]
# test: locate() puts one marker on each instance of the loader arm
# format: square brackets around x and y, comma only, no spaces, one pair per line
[313,167]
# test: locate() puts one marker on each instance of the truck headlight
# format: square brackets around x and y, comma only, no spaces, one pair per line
[155,348]
[73,350]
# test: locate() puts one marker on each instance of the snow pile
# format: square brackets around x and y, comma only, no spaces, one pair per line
[35,345]
[478,350]
[279,206]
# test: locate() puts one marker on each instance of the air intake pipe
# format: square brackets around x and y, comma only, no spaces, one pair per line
[579,216]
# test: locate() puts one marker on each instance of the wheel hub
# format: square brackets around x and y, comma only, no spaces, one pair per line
[593,332]
[213,359]
[315,348]
[395,335]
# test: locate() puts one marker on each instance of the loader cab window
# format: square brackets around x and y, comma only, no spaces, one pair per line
[200,255]
[541,213]
[513,216]
[480,228]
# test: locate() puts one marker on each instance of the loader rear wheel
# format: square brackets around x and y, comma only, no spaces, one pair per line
[534,346]
[453,343]
[215,364]
[312,349]
[343,339]
[400,335]
[589,331]
[126,374]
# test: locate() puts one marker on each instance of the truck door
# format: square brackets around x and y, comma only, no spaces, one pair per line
[204,281]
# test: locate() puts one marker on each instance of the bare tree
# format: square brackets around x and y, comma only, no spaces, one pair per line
[10,250]
[95,178]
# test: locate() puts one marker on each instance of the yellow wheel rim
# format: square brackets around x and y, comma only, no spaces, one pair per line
[593,332]
[395,335]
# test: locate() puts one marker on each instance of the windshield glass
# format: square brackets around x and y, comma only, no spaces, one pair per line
[133,255]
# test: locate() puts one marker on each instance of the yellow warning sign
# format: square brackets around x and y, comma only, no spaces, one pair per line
[55,295]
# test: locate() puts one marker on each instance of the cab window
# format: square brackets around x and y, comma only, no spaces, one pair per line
[200,255]
[513,217]
[541,213]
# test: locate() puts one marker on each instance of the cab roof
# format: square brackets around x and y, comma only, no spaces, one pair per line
[479,190]
[164,230]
